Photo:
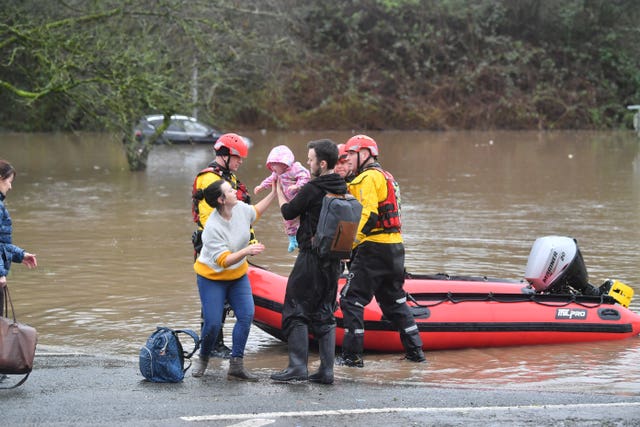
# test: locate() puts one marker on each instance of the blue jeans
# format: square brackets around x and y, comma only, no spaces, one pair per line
[212,296]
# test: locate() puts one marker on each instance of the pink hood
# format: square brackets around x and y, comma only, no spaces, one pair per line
[280,154]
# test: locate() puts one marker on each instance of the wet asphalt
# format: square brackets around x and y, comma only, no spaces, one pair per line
[75,389]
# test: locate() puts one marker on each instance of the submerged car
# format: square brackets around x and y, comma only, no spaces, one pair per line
[181,130]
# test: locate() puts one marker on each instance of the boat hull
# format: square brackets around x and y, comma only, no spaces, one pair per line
[453,313]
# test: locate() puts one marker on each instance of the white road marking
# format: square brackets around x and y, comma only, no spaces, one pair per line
[266,416]
[258,422]
[49,354]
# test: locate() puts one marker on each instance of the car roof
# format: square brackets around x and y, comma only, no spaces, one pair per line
[155,117]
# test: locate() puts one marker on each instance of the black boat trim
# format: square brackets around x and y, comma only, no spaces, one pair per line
[504,327]
[384,325]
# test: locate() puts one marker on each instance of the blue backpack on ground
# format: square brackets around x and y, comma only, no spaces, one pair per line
[162,357]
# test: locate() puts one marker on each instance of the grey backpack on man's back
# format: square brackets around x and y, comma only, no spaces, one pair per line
[337,226]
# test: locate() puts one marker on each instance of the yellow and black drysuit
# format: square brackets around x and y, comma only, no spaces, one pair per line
[377,267]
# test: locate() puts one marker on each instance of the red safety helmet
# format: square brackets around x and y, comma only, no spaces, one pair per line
[342,153]
[234,143]
[358,142]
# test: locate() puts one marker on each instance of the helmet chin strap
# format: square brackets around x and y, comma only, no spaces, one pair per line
[362,164]
[226,160]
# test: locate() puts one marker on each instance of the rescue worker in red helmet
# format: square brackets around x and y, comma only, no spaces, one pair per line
[230,150]
[342,167]
[377,263]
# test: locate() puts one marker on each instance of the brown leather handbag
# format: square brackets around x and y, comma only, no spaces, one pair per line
[17,344]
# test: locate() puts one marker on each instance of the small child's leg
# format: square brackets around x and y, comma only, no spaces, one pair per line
[291,228]
[293,243]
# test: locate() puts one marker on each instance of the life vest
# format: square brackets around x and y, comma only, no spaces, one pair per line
[389,209]
[197,194]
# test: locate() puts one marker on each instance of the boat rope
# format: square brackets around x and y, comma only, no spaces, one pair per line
[508,298]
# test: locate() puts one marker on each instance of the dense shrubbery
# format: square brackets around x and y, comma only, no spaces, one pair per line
[367,64]
[467,64]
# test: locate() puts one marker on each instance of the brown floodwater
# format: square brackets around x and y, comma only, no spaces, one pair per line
[115,257]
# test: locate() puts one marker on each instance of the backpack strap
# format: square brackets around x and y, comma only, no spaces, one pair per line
[196,341]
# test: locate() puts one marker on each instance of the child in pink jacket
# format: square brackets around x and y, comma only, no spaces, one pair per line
[292,176]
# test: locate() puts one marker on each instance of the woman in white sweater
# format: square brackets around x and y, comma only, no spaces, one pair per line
[222,272]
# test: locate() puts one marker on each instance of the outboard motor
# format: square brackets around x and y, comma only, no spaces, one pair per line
[555,265]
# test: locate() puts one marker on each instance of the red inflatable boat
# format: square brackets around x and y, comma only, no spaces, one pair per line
[463,312]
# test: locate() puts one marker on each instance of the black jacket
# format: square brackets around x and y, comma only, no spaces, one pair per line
[308,203]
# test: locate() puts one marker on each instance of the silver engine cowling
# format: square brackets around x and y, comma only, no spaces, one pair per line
[555,265]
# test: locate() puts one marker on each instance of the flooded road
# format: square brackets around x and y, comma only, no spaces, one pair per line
[115,257]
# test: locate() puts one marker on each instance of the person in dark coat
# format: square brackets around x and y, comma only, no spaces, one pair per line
[311,294]
[9,253]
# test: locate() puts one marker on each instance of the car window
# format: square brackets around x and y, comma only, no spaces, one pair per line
[176,126]
[155,123]
[146,125]
[195,127]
